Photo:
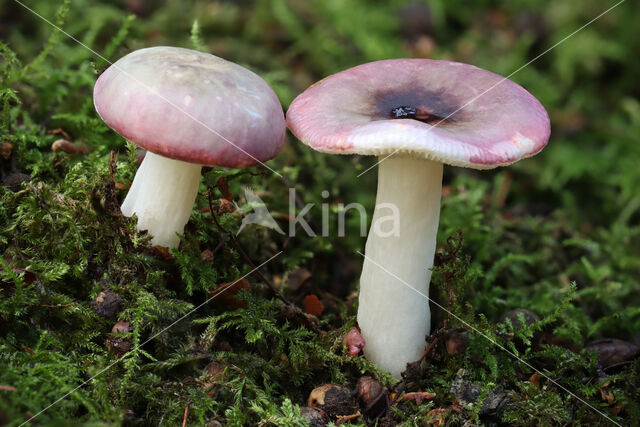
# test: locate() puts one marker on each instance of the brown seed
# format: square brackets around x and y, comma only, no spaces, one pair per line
[316,416]
[457,341]
[614,352]
[513,315]
[333,399]
[207,255]
[372,396]
[14,181]
[529,318]
[368,390]
[122,327]
[551,339]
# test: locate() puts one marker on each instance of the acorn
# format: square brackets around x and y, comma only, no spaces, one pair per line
[316,416]
[333,399]
[14,180]
[122,327]
[107,303]
[371,395]
[529,318]
[613,352]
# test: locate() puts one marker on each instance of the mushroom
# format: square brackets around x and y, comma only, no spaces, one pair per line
[416,114]
[188,109]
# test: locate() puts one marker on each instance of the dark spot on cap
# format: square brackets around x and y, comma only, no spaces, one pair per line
[403,112]
[422,105]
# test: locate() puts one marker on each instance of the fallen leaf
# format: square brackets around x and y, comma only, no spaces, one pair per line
[121,186]
[535,380]
[418,396]
[312,305]
[297,277]
[226,293]
[607,396]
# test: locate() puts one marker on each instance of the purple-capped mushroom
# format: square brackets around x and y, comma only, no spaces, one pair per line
[188,109]
[416,114]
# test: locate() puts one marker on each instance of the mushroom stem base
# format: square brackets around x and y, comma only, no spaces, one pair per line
[162,196]
[393,311]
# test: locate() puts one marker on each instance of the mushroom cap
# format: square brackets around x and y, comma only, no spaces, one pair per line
[439,110]
[191,106]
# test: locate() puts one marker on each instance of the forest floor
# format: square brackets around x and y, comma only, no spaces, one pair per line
[100,327]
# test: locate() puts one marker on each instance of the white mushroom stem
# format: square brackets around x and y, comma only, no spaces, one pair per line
[393,310]
[162,196]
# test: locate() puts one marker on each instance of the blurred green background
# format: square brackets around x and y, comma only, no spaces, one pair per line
[571,214]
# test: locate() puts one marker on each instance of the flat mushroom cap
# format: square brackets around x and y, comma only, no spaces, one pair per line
[185,105]
[421,108]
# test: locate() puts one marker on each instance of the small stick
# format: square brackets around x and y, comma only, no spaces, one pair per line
[426,352]
[186,414]
[57,305]
[346,418]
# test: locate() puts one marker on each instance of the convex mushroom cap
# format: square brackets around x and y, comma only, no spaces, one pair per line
[188,109]
[445,111]
[191,106]
[416,114]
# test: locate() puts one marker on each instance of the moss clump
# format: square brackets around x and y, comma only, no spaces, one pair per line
[558,235]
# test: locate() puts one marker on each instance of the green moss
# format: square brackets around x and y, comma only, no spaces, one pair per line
[558,234]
